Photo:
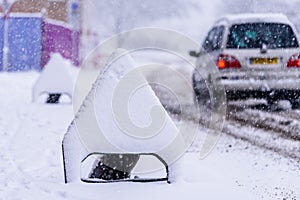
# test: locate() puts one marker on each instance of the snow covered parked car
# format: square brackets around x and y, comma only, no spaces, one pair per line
[257,56]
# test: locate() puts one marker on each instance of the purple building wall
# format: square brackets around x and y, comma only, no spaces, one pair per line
[60,39]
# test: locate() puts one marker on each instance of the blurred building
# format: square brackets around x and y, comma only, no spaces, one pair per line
[32,30]
[53,9]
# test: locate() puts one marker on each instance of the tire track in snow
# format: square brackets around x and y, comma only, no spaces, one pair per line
[264,139]
[282,125]
[295,114]
[259,129]
[11,179]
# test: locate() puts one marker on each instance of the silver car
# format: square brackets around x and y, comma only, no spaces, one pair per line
[257,56]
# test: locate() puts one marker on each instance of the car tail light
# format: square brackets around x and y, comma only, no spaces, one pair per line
[294,61]
[228,61]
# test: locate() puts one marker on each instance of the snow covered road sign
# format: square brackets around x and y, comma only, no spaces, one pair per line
[114,120]
[56,79]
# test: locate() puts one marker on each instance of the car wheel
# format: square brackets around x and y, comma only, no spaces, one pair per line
[201,92]
[272,103]
[295,104]
[202,98]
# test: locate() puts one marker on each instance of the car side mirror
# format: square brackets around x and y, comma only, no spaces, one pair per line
[194,54]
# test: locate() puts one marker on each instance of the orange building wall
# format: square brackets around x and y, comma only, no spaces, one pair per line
[53,9]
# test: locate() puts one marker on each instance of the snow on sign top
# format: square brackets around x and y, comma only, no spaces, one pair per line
[121,114]
[58,76]
[255,17]
[128,113]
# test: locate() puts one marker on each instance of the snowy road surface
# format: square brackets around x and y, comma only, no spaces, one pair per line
[238,168]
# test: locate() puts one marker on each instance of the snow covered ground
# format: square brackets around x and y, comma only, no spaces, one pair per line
[31,160]
[257,156]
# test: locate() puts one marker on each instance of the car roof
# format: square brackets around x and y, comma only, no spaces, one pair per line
[253,17]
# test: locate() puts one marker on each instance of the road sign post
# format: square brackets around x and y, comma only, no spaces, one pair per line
[6,7]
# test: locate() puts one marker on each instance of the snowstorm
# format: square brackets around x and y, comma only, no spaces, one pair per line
[118,99]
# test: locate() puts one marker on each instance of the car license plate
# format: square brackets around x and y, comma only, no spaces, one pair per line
[264,61]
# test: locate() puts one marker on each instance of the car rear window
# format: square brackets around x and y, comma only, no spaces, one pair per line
[254,35]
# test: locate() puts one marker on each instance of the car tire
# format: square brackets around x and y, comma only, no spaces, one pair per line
[202,99]
[295,104]
[201,92]
[272,103]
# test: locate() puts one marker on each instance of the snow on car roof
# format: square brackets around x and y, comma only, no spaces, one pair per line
[254,17]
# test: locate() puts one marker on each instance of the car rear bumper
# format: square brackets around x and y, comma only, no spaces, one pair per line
[244,85]
[282,89]
[276,94]
[260,81]
[261,85]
